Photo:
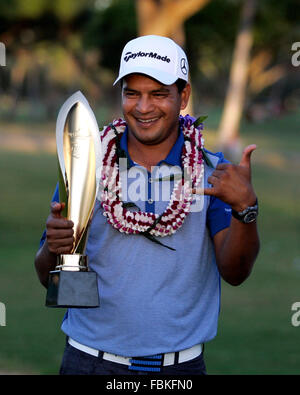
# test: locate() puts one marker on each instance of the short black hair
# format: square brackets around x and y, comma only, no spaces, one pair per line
[181,84]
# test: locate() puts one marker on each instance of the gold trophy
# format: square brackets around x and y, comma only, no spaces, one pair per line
[72,284]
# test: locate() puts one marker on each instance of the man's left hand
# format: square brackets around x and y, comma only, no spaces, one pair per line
[232,183]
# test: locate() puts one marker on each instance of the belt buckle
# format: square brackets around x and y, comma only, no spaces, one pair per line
[152,363]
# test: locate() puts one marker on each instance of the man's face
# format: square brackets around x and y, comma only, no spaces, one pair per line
[151,109]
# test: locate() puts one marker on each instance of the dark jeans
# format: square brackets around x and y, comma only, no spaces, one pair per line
[76,362]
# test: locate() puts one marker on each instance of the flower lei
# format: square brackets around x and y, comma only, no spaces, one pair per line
[139,222]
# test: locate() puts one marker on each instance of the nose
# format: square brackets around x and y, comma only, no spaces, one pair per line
[144,104]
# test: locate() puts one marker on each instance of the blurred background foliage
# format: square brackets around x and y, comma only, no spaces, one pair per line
[57,47]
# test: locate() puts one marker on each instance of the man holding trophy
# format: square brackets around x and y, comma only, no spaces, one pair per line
[144,222]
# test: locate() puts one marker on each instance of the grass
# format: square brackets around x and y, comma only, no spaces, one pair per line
[255,331]
[31,341]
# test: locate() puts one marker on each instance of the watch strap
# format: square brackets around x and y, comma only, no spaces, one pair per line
[241,215]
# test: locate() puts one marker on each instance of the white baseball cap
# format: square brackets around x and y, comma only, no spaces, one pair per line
[156,56]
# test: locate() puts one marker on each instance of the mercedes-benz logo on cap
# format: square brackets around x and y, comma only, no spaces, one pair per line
[183,66]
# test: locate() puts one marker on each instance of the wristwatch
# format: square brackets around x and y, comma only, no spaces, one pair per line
[248,215]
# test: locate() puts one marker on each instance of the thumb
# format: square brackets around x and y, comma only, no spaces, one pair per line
[56,209]
[246,156]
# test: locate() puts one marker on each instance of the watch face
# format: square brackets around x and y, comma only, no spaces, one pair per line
[250,217]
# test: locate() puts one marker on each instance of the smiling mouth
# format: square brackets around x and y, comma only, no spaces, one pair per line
[147,120]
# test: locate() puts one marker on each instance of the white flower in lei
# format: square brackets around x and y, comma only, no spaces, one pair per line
[179,205]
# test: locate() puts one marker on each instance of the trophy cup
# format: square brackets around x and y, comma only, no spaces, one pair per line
[72,284]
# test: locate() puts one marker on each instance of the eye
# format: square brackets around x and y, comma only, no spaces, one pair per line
[130,94]
[160,94]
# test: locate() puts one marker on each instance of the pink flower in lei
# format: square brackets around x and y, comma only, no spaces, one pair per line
[139,222]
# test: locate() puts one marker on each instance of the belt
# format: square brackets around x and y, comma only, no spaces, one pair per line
[166,359]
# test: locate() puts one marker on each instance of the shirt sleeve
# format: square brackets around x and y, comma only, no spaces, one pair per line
[218,213]
[55,198]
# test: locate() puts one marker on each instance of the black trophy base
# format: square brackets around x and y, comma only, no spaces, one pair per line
[72,289]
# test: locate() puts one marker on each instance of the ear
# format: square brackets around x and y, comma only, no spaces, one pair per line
[185,95]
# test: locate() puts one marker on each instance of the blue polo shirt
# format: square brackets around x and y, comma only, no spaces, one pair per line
[153,299]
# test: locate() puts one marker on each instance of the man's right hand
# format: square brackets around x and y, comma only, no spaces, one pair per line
[59,231]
